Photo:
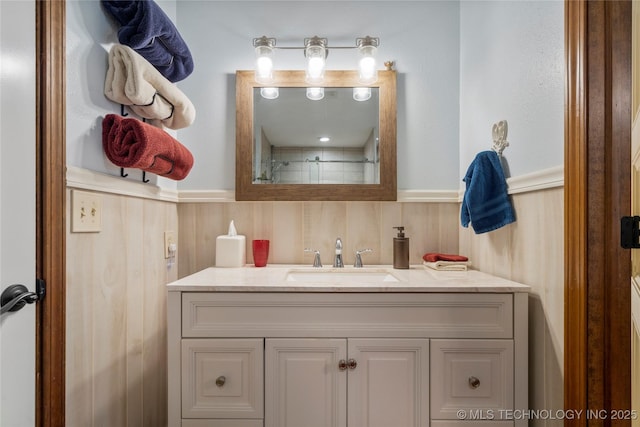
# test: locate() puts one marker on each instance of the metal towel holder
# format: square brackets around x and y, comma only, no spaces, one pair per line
[499,133]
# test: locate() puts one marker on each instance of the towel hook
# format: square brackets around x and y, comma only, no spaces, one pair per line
[144,175]
[499,133]
[122,112]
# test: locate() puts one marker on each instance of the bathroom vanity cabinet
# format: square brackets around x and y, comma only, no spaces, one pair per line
[422,351]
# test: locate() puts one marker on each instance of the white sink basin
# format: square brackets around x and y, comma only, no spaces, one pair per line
[340,275]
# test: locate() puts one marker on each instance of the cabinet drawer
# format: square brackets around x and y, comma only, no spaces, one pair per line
[222,378]
[471,375]
[407,315]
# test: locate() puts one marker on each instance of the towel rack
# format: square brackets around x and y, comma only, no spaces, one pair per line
[123,113]
[499,133]
[144,175]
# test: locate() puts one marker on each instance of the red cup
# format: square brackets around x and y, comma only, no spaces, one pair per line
[260,252]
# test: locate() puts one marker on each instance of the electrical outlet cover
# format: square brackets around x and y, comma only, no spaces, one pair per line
[86,212]
[169,239]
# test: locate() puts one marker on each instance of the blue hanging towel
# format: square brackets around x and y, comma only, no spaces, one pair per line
[146,29]
[486,204]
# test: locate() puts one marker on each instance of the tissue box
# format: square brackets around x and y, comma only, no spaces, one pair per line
[231,251]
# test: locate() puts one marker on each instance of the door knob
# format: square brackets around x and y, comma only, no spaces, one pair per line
[14,297]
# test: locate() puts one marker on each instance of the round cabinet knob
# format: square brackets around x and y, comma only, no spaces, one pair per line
[352,364]
[342,364]
[220,381]
[474,382]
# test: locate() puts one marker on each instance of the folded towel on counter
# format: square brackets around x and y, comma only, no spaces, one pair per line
[436,256]
[149,31]
[131,143]
[132,81]
[486,204]
[447,265]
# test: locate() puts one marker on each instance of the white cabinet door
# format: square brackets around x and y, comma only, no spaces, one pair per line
[304,386]
[389,386]
[222,378]
[472,376]
[388,382]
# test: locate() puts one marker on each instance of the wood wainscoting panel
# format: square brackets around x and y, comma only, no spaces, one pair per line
[531,251]
[293,226]
[116,315]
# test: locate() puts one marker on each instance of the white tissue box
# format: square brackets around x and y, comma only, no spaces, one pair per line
[231,251]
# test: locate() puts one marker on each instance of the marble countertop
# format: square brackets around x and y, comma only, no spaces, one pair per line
[302,278]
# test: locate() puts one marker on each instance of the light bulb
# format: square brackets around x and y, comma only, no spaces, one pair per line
[315,54]
[361,93]
[315,70]
[269,92]
[315,93]
[264,64]
[367,72]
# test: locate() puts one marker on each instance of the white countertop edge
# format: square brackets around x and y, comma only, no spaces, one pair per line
[417,279]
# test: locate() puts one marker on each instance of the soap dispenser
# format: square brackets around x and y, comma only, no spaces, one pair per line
[400,250]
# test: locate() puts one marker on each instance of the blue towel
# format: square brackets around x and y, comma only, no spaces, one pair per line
[148,30]
[486,203]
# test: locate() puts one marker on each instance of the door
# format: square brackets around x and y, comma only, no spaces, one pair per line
[390,384]
[17,208]
[597,187]
[635,210]
[304,384]
[223,379]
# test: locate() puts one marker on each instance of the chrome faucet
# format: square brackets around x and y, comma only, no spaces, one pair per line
[316,260]
[337,261]
[358,261]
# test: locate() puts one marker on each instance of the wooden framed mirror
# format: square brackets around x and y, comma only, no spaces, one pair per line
[276,159]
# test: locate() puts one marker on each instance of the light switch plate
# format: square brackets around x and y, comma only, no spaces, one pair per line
[86,212]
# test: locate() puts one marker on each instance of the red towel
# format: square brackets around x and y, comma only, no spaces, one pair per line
[433,257]
[131,143]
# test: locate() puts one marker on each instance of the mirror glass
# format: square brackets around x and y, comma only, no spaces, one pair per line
[333,140]
[281,150]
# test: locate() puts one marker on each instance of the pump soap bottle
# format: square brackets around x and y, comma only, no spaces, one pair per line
[400,250]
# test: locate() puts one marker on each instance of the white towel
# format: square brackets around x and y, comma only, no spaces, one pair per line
[133,81]
[447,265]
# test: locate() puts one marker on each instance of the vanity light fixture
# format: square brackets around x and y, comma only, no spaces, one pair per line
[315,93]
[315,52]
[367,47]
[269,92]
[264,59]
[316,49]
[324,139]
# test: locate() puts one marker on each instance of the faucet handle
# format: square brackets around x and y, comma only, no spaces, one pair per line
[358,262]
[316,260]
